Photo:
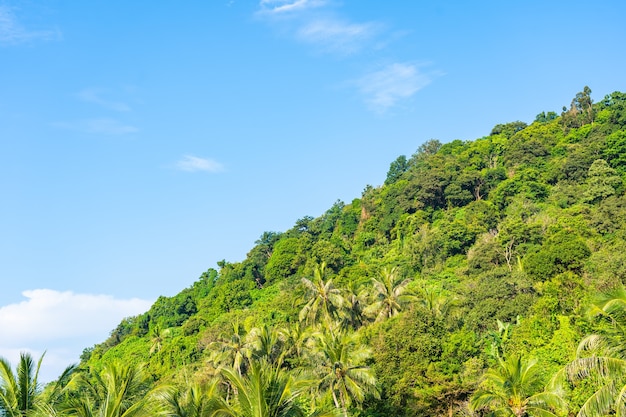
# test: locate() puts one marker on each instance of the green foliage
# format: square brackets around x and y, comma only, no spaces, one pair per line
[397,168]
[20,392]
[514,389]
[562,252]
[581,110]
[544,117]
[509,129]
[471,257]
[615,151]
[282,262]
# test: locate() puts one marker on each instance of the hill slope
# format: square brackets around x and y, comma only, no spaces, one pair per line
[470,251]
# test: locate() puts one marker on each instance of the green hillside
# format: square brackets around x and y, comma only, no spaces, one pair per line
[463,285]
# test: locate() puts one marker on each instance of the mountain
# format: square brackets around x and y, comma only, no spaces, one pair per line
[471,253]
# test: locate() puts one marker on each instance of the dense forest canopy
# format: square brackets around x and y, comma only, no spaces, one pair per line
[482,277]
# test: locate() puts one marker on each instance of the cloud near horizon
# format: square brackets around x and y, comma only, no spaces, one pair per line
[62,323]
[192,163]
[12,32]
[385,88]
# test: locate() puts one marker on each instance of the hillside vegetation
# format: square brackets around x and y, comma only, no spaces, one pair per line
[483,276]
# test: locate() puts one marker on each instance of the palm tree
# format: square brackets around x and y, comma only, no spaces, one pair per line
[195,400]
[267,391]
[233,350]
[296,337]
[436,301]
[340,360]
[119,390]
[356,301]
[325,300]
[267,344]
[513,389]
[603,356]
[20,393]
[158,337]
[389,297]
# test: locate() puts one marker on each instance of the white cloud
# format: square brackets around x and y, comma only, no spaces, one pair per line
[62,323]
[95,96]
[337,36]
[12,32]
[384,88]
[192,163]
[103,126]
[286,6]
[314,22]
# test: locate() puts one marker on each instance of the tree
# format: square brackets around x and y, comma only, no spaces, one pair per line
[157,339]
[581,110]
[513,389]
[267,344]
[282,262]
[428,148]
[602,357]
[119,390]
[340,360]
[508,129]
[192,400]
[232,350]
[20,393]
[388,296]
[602,180]
[356,302]
[325,301]
[435,301]
[396,169]
[266,391]
[544,117]
[295,339]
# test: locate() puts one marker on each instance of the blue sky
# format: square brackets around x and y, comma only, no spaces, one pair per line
[142,142]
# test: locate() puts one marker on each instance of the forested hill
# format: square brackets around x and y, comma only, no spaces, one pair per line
[472,260]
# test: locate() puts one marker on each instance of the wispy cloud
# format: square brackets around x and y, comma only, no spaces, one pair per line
[12,32]
[61,322]
[320,24]
[315,23]
[99,126]
[337,36]
[96,96]
[286,6]
[192,163]
[384,88]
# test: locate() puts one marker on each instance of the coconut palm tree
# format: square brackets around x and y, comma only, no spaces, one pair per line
[339,359]
[20,393]
[267,391]
[192,400]
[356,301]
[602,357]
[267,344]
[435,301]
[119,390]
[157,339]
[296,337]
[325,301]
[514,389]
[232,350]
[389,295]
